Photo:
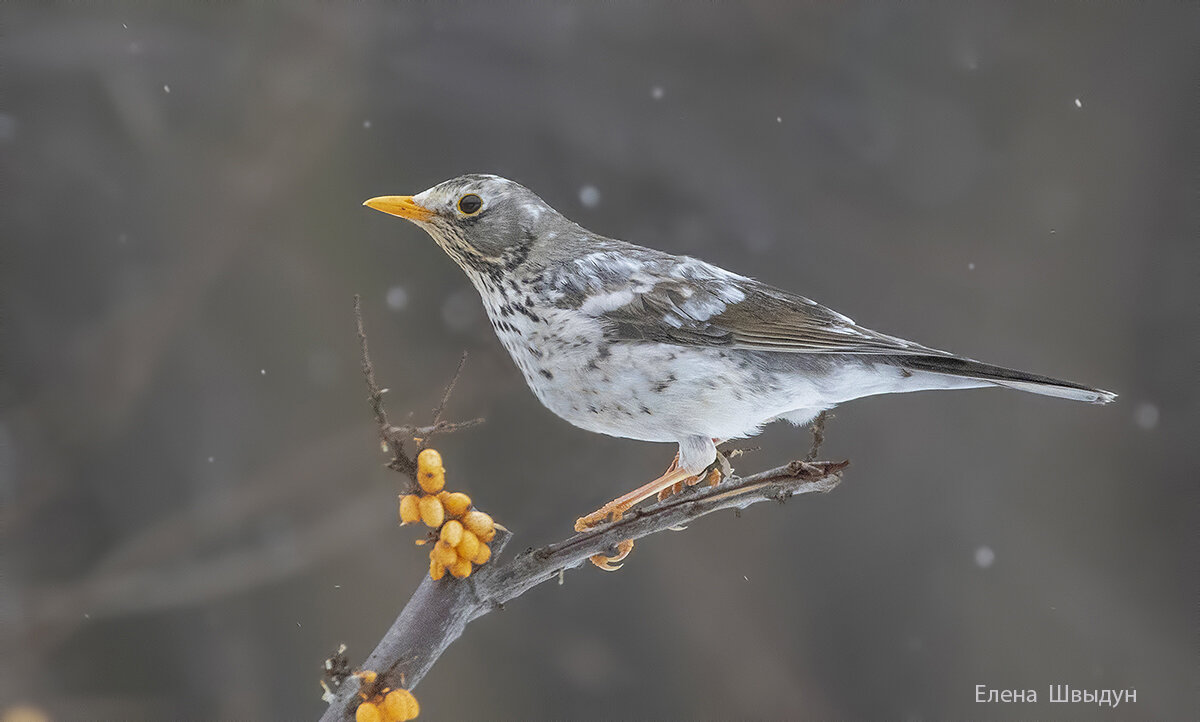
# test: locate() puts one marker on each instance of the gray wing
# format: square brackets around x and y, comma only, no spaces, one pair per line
[736,312]
[683,301]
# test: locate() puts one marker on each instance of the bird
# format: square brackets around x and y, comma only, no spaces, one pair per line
[636,343]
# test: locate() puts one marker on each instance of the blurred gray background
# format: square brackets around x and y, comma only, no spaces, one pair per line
[194,508]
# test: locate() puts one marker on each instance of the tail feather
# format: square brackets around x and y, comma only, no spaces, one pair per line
[1010,378]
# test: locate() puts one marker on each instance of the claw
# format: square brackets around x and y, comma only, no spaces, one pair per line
[603,564]
[715,476]
[606,562]
[672,490]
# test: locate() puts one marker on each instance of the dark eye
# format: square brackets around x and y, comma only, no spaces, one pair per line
[470,204]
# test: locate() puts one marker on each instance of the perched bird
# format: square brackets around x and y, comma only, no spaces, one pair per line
[636,343]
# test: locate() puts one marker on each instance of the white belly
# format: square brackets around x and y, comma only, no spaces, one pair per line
[660,392]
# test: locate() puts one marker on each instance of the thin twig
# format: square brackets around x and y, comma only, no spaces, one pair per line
[818,432]
[375,395]
[395,437]
[442,427]
[437,426]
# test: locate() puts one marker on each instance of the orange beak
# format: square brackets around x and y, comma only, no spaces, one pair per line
[403,206]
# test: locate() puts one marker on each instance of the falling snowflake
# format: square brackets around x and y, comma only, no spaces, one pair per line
[397,298]
[1146,416]
[589,196]
[984,557]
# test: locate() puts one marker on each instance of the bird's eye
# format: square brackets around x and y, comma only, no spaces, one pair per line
[470,204]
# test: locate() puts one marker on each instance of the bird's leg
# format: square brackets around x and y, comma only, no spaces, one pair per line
[617,507]
[720,469]
[673,480]
[673,488]
[614,509]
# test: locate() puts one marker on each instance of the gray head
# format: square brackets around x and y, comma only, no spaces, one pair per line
[483,222]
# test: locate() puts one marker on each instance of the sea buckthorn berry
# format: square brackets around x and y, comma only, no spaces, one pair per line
[432,480]
[457,503]
[368,712]
[432,512]
[368,676]
[401,705]
[452,532]
[461,568]
[410,511]
[481,524]
[484,553]
[468,546]
[444,554]
[437,570]
[429,459]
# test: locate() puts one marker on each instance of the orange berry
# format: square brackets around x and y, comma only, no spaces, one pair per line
[484,553]
[410,511]
[432,512]
[437,570]
[368,712]
[457,503]
[432,480]
[368,676]
[429,459]
[481,524]
[401,705]
[461,568]
[452,532]
[468,546]
[443,554]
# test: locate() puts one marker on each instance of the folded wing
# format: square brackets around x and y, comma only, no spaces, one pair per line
[737,312]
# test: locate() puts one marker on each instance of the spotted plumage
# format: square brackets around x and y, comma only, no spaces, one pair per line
[637,343]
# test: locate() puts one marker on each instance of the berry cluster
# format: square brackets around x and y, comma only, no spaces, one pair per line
[463,533]
[389,705]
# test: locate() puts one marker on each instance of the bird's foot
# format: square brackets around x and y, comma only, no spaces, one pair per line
[609,512]
[712,478]
[616,508]
[720,469]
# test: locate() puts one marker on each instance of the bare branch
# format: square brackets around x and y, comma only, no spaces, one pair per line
[441,427]
[438,612]
[395,437]
[375,395]
[437,426]
[818,432]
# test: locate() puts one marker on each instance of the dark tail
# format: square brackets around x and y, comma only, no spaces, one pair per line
[1011,378]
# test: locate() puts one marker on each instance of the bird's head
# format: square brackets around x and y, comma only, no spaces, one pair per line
[481,221]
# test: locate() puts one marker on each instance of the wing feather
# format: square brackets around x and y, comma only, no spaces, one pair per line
[737,312]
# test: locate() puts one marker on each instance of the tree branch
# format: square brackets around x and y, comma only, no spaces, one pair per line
[438,612]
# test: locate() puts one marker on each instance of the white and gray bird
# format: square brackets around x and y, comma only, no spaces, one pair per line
[636,343]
